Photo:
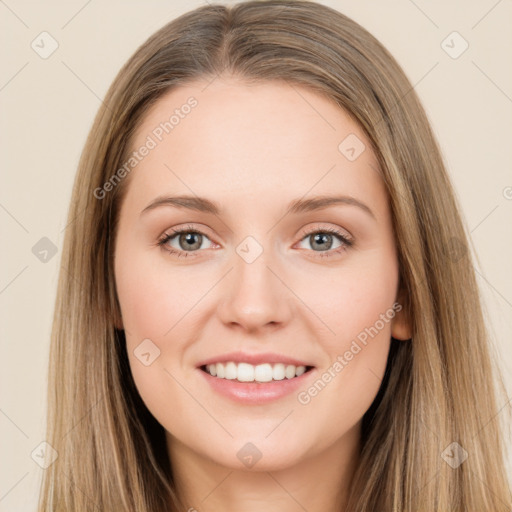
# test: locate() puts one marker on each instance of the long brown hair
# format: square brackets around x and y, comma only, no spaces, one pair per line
[438,388]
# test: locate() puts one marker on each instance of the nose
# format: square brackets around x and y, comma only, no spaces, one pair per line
[254,296]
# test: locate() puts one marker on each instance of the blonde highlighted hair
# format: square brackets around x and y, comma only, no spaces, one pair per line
[438,388]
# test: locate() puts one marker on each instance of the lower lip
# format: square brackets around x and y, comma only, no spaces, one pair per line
[256,392]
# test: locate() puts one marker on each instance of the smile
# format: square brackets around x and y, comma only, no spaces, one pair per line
[245,372]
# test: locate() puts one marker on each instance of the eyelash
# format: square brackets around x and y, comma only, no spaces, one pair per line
[166,237]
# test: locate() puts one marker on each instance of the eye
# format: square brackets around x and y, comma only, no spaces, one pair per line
[186,240]
[321,240]
[183,242]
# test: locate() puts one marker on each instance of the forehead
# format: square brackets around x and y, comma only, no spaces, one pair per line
[270,141]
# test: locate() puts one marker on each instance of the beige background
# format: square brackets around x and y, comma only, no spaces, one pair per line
[48,106]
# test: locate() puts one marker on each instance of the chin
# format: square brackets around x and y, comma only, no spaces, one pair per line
[257,453]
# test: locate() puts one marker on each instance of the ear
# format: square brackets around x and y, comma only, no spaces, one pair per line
[401,322]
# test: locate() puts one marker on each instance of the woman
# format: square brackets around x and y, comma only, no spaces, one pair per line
[207,353]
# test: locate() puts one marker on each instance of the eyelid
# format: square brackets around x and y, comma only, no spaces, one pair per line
[186,229]
[175,231]
[321,226]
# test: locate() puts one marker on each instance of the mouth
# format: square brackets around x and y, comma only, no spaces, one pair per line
[257,374]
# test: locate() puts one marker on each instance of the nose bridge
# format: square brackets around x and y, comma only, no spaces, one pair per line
[254,295]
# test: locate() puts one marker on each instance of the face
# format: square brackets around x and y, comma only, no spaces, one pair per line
[261,268]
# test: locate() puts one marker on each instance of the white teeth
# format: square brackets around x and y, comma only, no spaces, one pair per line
[230,371]
[300,370]
[220,370]
[245,372]
[290,372]
[263,373]
[279,372]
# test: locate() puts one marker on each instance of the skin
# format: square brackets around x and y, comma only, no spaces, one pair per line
[247,146]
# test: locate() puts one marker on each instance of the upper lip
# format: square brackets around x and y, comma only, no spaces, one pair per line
[254,359]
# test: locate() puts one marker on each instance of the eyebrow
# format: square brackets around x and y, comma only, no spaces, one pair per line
[201,204]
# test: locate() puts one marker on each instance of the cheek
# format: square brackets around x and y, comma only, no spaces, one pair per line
[150,307]
[157,307]
[358,308]
[354,299]
[150,303]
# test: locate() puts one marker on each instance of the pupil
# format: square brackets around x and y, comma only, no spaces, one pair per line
[189,239]
[322,238]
